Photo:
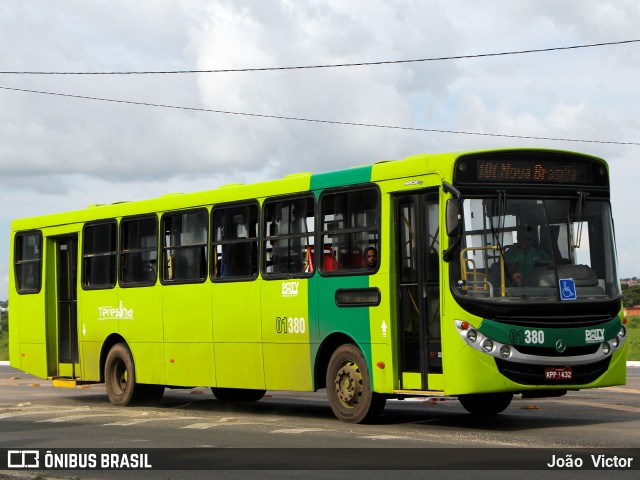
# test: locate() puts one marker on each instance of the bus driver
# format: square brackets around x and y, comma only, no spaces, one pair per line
[523,257]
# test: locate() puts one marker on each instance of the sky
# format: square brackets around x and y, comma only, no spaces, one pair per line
[61,153]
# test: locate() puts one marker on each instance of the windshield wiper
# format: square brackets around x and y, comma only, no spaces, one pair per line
[582,196]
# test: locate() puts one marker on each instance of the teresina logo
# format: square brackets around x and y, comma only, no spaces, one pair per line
[115,313]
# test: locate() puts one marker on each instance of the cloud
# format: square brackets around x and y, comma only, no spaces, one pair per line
[241,34]
[121,143]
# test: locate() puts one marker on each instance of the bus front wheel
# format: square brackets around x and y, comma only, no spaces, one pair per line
[486,403]
[120,379]
[349,387]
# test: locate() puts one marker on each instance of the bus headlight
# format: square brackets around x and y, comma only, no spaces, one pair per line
[615,342]
[623,332]
[477,340]
[606,348]
[487,345]
[472,336]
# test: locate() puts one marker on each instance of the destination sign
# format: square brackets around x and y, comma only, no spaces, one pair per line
[526,168]
[533,171]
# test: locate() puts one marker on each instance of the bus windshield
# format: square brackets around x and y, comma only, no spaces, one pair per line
[547,250]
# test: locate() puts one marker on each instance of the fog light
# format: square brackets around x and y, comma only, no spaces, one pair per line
[505,351]
[606,348]
[472,336]
[487,345]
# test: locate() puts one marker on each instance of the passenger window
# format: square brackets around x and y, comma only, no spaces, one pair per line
[139,251]
[99,245]
[350,235]
[28,262]
[288,244]
[184,246]
[234,242]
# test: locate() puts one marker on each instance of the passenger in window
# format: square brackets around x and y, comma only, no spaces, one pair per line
[371,256]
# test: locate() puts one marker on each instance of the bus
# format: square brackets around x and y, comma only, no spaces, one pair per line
[478,275]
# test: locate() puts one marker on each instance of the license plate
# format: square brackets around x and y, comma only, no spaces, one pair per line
[565,373]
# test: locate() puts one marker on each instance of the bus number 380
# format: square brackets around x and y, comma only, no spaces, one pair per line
[290,325]
[527,337]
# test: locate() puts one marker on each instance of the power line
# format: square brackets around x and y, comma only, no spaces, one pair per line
[314,120]
[335,65]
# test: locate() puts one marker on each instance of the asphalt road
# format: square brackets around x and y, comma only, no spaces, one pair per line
[34,415]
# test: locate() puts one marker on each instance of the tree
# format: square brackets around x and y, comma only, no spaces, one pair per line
[631,296]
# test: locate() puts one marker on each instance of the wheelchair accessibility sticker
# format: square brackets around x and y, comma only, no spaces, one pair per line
[568,289]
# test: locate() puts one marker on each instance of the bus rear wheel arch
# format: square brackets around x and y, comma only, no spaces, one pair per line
[120,379]
[486,403]
[348,384]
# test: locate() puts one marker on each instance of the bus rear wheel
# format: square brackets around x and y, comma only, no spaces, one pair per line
[349,387]
[486,403]
[237,394]
[120,379]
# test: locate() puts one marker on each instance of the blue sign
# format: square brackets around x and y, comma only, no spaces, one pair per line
[568,289]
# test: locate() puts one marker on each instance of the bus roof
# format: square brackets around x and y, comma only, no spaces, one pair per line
[441,164]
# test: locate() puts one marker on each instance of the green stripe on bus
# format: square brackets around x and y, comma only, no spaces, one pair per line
[344,177]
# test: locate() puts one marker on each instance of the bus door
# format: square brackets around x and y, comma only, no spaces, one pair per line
[66,299]
[418,288]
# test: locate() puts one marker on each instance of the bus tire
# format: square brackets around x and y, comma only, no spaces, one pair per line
[237,394]
[349,387]
[486,403]
[120,377]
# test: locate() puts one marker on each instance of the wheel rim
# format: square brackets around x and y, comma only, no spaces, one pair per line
[348,384]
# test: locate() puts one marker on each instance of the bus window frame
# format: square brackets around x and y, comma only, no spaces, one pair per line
[122,252]
[16,262]
[249,240]
[264,238]
[321,232]
[162,263]
[83,282]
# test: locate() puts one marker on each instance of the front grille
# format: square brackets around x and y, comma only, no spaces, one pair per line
[527,374]
[551,352]
[563,321]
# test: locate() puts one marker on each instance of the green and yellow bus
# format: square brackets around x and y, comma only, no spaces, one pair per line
[478,275]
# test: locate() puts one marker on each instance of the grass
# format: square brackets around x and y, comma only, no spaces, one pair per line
[4,348]
[633,339]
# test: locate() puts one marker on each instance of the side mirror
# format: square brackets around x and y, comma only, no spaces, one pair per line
[453,220]
[453,217]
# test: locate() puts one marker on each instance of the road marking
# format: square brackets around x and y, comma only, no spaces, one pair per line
[21,408]
[228,419]
[20,414]
[71,418]
[383,437]
[135,421]
[204,426]
[44,410]
[296,431]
